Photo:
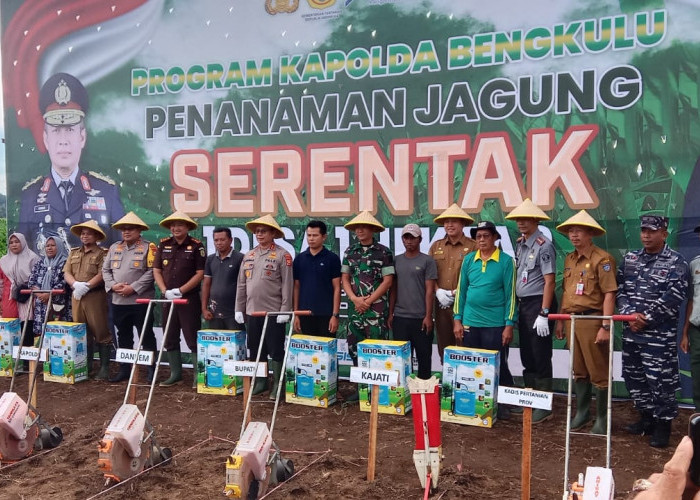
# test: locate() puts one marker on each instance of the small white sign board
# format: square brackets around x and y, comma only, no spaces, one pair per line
[373,376]
[244,368]
[129,356]
[524,397]
[29,353]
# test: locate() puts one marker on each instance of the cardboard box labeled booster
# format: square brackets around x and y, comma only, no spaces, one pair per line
[386,355]
[312,371]
[214,349]
[67,352]
[469,386]
[10,333]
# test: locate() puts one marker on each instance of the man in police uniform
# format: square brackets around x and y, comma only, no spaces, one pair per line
[588,288]
[535,259]
[178,270]
[128,273]
[448,254]
[653,283]
[52,203]
[690,341]
[83,273]
[265,283]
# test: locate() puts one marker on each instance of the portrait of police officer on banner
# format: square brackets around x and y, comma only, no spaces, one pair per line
[68,194]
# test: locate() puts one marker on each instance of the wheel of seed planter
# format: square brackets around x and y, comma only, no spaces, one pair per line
[253,489]
[55,437]
[282,469]
[166,454]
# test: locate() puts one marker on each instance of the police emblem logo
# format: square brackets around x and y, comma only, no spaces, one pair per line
[62,93]
[606,267]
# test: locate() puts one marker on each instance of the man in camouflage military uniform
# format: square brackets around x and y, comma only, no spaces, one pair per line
[51,203]
[653,283]
[265,283]
[367,273]
[588,289]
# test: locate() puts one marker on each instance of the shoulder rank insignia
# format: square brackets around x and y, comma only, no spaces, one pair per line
[196,241]
[540,240]
[30,182]
[165,239]
[102,177]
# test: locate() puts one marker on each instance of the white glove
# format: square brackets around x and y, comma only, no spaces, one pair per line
[238,316]
[542,326]
[172,294]
[283,318]
[80,288]
[445,298]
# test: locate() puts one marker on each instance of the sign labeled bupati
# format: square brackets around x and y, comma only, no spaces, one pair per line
[244,368]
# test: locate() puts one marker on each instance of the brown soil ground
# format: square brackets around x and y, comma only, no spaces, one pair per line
[328,448]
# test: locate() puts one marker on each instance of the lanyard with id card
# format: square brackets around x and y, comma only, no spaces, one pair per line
[579,285]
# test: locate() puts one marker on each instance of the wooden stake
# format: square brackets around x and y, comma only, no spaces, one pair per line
[527,455]
[246,391]
[373,421]
[32,370]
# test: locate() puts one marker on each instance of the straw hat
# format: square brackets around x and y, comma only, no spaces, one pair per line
[581,219]
[90,224]
[179,216]
[365,218]
[266,220]
[130,219]
[527,210]
[454,212]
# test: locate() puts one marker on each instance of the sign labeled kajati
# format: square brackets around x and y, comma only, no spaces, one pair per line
[129,356]
[373,376]
[525,397]
[244,368]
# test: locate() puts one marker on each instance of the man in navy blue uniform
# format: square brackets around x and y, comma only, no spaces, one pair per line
[652,284]
[52,203]
[317,284]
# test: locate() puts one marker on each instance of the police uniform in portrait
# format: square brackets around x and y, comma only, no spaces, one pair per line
[50,204]
[652,284]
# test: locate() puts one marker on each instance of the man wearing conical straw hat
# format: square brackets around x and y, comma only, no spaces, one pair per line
[588,288]
[83,273]
[265,283]
[178,269]
[128,274]
[367,272]
[448,254]
[535,260]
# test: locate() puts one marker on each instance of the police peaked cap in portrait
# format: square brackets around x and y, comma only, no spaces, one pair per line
[63,100]
[365,219]
[180,217]
[92,225]
[527,210]
[582,219]
[267,221]
[454,212]
[130,220]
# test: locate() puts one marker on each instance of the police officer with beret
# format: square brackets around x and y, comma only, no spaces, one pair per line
[652,285]
[52,203]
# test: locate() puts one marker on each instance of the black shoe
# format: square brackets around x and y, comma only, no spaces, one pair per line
[150,373]
[503,413]
[123,374]
[643,427]
[662,434]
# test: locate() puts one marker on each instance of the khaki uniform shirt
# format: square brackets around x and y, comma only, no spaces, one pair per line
[132,265]
[448,258]
[595,273]
[85,265]
[265,281]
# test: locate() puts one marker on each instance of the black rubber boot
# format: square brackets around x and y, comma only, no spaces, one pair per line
[644,426]
[195,371]
[123,374]
[662,434]
[104,350]
[90,359]
[538,415]
[583,390]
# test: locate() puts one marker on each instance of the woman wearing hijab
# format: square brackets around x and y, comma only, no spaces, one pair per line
[47,274]
[15,268]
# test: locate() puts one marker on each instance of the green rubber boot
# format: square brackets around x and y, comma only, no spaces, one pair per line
[90,359]
[583,391]
[538,415]
[175,377]
[195,370]
[104,350]
[601,412]
[260,385]
[276,367]
[529,381]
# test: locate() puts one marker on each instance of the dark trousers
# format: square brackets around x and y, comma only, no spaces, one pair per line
[479,337]
[315,325]
[225,324]
[274,338]
[29,334]
[535,351]
[186,317]
[694,337]
[411,329]
[126,318]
